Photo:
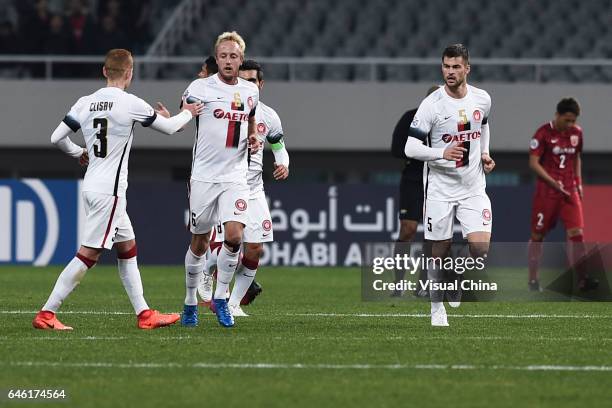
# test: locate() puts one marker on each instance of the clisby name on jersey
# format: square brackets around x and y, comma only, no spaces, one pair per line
[100,106]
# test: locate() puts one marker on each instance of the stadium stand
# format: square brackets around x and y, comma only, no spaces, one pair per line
[340,28]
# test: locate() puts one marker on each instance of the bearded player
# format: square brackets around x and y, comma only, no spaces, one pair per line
[450,132]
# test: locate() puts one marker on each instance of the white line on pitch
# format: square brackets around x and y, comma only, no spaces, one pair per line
[68,337]
[305,366]
[486,316]
[476,316]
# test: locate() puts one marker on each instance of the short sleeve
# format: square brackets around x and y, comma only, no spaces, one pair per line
[537,143]
[72,117]
[190,93]
[254,101]
[276,129]
[142,112]
[487,111]
[423,121]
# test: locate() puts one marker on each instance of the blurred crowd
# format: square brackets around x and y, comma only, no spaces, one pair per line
[73,27]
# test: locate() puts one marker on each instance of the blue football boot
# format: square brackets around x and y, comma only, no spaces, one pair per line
[189,318]
[224,316]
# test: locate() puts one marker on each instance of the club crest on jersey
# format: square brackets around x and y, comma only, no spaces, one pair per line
[574,140]
[261,128]
[241,205]
[486,214]
[237,102]
[250,102]
[266,225]
[477,115]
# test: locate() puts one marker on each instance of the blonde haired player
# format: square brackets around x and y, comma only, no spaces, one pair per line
[218,184]
[107,118]
[259,228]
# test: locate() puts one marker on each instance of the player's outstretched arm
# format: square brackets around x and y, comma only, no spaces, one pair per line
[417,150]
[540,171]
[60,139]
[173,124]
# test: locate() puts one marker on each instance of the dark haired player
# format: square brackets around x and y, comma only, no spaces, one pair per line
[450,132]
[554,156]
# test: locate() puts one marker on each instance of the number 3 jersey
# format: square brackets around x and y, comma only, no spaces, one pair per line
[558,152]
[220,148]
[107,118]
[442,120]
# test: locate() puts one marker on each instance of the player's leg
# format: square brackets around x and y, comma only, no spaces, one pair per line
[205,286]
[543,218]
[203,210]
[99,222]
[572,216]
[258,230]
[410,212]
[438,221]
[67,281]
[245,276]
[233,214]
[476,219]
[127,264]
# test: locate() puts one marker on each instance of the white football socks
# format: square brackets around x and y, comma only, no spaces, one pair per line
[243,279]
[227,262]
[193,268]
[66,282]
[130,277]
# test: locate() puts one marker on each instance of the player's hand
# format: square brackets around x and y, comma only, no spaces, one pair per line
[254,143]
[580,191]
[281,172]
[162,111]
[559,187]
[488,163]
[454,152]
[84,159]
[195,108]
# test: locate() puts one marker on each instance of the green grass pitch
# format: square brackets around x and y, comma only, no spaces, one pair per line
[310,341]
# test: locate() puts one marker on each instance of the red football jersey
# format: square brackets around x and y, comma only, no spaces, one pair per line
[557,152]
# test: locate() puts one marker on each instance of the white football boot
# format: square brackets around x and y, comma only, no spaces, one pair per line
[237,311]
[438,314]
[205,288]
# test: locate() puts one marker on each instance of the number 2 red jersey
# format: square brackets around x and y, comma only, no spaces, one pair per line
[558,152]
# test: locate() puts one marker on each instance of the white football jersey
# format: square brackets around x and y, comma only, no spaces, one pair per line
[220,148]
[268,125]
[442,120]
[107,118]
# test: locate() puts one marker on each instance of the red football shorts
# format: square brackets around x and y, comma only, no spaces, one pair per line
[548,209]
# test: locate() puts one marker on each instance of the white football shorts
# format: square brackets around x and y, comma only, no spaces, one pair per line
[259,223]
[211,202]
[473,213]
[106,220]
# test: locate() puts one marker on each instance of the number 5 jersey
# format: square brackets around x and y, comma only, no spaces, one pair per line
[442,120]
